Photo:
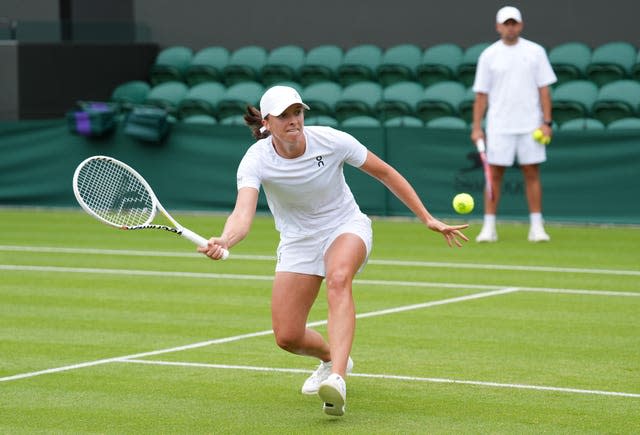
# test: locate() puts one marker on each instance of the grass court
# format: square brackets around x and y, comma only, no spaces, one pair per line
[115,332]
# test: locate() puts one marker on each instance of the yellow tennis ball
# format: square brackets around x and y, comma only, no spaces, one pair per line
[538,135]
[463,203]
[546,140]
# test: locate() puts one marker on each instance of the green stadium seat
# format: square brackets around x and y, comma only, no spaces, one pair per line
[200,119]
[321,97]
[398,64]
[635,70]
[399,99]
[361,121]
[237,97]
[322,120]
[467,67]
[202,99]
[245,65]
[282,64]
[570,61]
[611,61]
[403,121]
[625,124]
[448,122]
[167,95]
[465,107]
[358,99]
[617,100]
[207,65]
[171,65]
[360,63]
[573,99]
[321,64]
[295,85]
[582,124]
[233,120]
[440,99]
[439,63]
[131,93]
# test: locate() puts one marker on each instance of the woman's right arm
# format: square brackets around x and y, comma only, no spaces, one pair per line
[237,225]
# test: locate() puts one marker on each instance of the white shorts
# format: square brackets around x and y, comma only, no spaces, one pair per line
[502,149]
[305,254]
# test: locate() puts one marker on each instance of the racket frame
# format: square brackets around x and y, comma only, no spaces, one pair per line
[156,206]
[481,147]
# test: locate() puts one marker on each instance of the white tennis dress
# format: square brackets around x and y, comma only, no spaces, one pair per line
[308,196]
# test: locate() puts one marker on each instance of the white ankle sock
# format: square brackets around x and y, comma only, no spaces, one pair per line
[536,219]
[489,221]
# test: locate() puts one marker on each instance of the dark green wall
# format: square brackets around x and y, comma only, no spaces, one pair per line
[199,23]
[589,177]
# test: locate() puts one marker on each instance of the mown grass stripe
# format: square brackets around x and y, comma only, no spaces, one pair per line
[203,275]
[389,377]
[378,262]
[239,337]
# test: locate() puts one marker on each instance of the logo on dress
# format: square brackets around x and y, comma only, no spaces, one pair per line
[319,160]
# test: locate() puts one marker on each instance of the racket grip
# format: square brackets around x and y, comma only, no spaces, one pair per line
[200,241]
[480,145]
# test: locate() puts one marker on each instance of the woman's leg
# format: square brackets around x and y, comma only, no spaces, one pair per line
[342,260]
[292,297]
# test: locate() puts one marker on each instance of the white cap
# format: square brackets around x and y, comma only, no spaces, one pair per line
[508,13]
[277,99]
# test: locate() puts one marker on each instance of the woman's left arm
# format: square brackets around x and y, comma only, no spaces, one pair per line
[402,189]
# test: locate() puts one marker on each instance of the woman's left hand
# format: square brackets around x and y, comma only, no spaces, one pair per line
[451,233]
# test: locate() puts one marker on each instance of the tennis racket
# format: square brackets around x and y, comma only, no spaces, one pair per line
[480,146]
[114,193]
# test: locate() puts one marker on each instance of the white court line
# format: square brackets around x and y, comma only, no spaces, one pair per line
[122,252]
[245,336]
[506,267]
[132,272]
[433,264]
[391,377]
[579,292]
[137,355]
[441,302]
[204,275]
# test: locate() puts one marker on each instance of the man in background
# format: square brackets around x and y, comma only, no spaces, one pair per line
[512,79]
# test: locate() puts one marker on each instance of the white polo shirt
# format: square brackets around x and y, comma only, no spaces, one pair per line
[511,75]
[307,194]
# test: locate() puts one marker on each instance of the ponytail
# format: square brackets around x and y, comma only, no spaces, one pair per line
[253,119]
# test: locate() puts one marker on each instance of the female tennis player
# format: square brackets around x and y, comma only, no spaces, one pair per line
[323,233]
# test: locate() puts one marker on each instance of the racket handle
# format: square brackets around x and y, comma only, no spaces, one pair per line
[480,145]
[200,241]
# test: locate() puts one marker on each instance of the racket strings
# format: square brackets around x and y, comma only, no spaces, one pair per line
[114,194]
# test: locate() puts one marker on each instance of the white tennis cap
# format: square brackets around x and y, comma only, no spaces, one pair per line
[508,13]
[277,99]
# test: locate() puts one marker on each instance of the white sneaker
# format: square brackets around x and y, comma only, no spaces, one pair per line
[537,234]
[312,384]
[333,392]
[487,235]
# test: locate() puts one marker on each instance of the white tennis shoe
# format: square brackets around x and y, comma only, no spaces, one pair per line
[333,392]
[312,384]
[538,234]
[488,234]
